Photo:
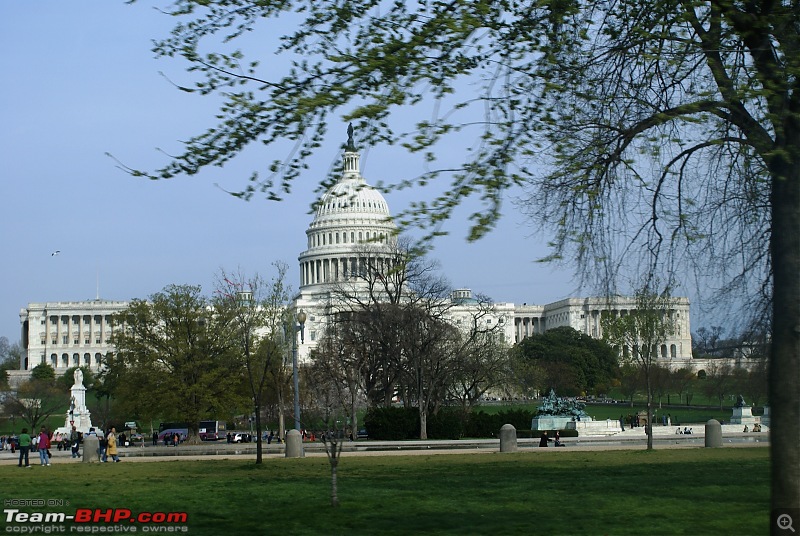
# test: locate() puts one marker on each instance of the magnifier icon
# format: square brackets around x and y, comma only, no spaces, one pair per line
[785,522]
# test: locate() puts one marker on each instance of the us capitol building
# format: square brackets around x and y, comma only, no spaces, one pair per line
[351,218]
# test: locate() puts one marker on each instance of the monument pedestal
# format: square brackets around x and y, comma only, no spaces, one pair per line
[744,415]
[78,414]
[555,422]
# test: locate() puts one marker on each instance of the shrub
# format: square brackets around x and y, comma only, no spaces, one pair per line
[447,424]
[392,423]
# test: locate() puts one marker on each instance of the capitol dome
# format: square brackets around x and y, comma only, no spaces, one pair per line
[351,218]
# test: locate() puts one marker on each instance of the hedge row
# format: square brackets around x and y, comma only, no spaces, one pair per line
[398,423]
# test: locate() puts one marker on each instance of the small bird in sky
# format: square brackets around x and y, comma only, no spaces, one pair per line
[56,252]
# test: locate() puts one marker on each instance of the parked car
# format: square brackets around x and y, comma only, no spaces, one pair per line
[241,437]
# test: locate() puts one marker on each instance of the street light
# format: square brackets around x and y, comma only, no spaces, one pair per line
[301,322]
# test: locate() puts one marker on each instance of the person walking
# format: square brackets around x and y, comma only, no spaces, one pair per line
[102,443]
[74,441]
[43,445]
[111,445]
[24,447]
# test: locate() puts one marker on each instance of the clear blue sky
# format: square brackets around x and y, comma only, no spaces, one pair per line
[80,80]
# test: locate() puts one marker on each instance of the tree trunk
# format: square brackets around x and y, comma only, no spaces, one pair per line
[281,418]
[423,423]
[649,425]
[784,370]
[354,419]
[334,487]
[258,434]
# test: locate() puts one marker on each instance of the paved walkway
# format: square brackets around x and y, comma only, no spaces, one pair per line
[629,440]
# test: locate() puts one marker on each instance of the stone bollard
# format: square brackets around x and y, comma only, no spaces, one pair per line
[508,438]
[713,433]
[294,444]
[91,449]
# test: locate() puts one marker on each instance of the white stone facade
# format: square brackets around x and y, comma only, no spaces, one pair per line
[352,226]
[67,334]
[585,314]
[353,220]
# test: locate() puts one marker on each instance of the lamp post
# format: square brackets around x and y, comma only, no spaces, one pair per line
[301,322]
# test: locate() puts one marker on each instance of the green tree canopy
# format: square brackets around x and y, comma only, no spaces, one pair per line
[649,135]
[43,372]
[173,360]
[566,360]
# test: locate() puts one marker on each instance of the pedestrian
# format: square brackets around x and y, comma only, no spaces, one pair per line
[24,447]
[43,445]
[155,439]
[622,422]
[544,439]
[111,445]
[74,441]
[175,440]
[102,443]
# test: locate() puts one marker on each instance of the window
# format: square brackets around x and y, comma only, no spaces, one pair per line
[64,339]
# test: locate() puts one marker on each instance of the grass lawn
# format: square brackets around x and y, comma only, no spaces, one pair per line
[682,491]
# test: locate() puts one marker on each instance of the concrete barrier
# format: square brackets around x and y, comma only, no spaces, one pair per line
[508,438]
[91,449]
[713,433]
[294,444]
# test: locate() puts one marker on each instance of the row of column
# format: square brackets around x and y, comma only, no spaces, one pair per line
[95,326]
[527,326]
[331,270]
[76,360]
